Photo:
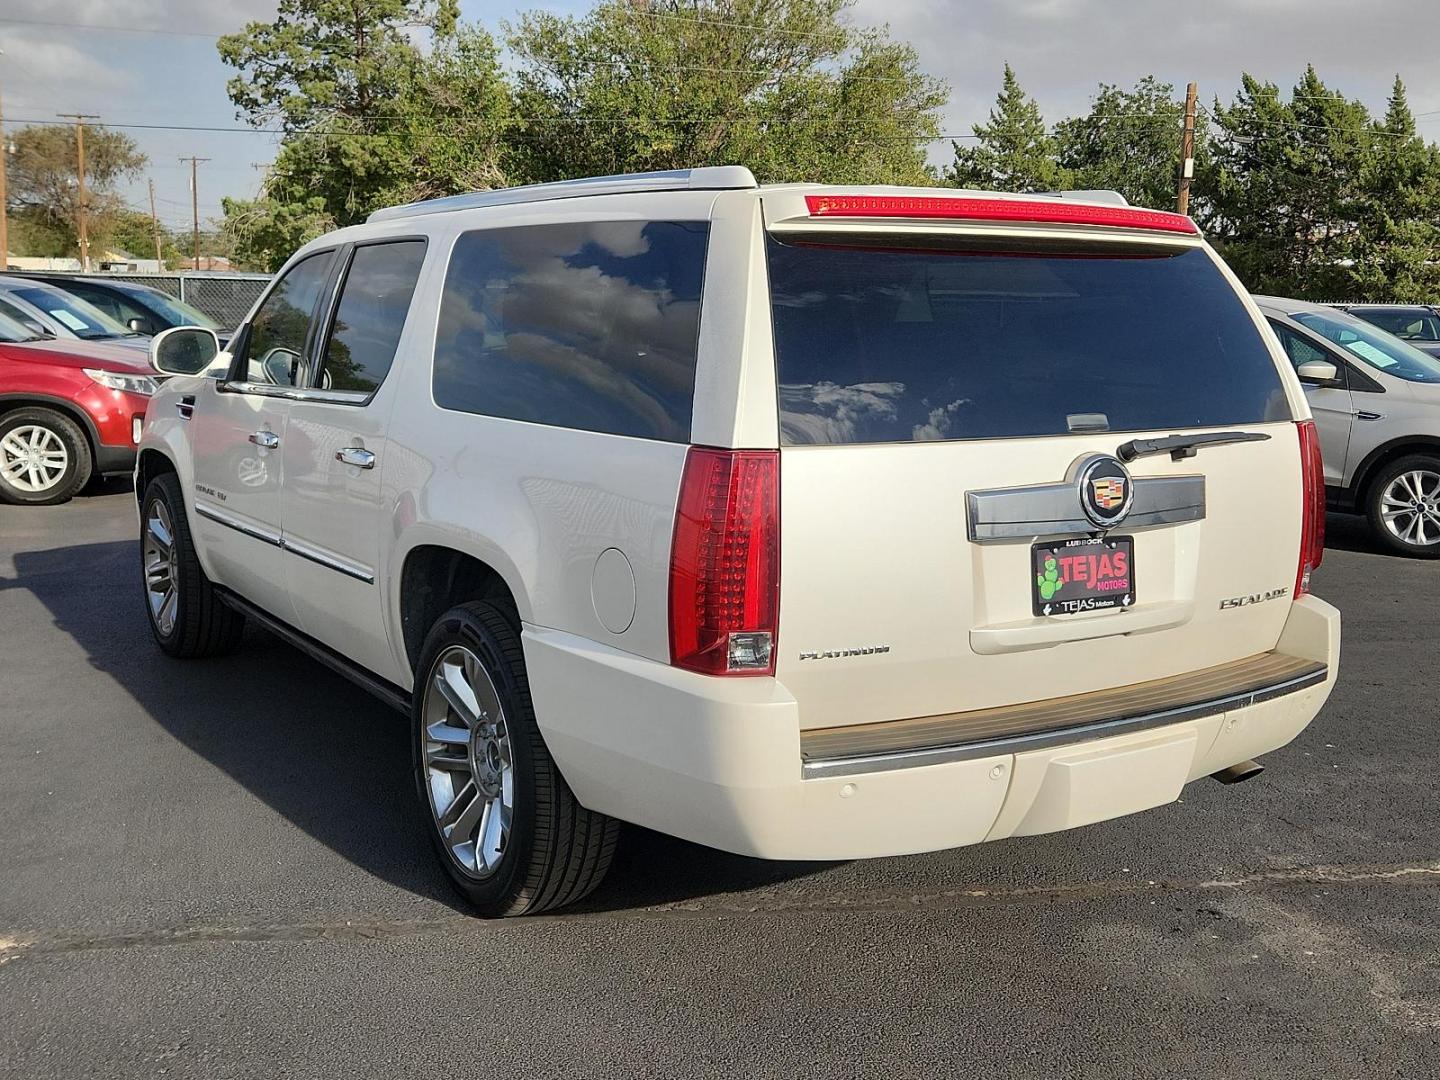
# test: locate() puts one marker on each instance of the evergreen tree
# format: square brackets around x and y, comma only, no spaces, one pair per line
[1013,151]
[1129,142]
[1397,248]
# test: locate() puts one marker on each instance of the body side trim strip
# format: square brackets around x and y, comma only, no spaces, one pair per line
[304,551]
[230,521]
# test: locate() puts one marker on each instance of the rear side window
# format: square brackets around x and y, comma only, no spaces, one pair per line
[374,301]
[587,325]
[877,345]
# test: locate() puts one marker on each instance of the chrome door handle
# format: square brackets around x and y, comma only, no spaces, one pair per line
[355,455]
[266,440]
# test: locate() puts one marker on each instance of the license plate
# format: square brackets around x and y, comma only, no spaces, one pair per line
[1090,574]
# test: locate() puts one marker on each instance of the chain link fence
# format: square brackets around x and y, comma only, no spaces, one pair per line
[225,296]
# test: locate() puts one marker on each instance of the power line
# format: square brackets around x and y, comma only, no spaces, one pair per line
[108,28]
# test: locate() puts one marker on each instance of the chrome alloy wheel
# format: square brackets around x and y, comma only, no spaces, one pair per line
[33,458]
[162,577]
[1410,507]
[469,768]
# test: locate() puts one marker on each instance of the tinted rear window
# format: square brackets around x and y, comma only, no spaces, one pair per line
[589,325]
[875,345]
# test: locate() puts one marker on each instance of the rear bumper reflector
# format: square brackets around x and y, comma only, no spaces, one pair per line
[1009,729]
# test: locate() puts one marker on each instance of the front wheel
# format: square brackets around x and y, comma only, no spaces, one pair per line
[1404,506]
[44,457]
[187,618]
[505,824]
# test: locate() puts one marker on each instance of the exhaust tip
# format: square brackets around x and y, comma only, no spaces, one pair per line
[1239,772]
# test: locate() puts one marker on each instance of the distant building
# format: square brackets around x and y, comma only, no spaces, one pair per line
[36,262]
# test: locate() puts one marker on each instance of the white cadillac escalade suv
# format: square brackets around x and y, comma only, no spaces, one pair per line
[804,522]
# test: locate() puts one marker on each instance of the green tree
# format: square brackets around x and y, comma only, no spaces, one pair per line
[785,87]
[1287,190]
[1130,142]
[369,118]
[1013,151]
[1397,246]
[43,194]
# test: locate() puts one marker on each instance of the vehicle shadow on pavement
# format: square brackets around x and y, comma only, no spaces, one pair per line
[319,751]
[1351,532]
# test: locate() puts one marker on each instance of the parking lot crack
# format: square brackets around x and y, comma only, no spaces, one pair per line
[43,943]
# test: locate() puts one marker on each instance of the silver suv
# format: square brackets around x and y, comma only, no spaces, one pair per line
[1376,401]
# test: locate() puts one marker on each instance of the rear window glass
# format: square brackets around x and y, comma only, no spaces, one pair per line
[589,325]
[875,345]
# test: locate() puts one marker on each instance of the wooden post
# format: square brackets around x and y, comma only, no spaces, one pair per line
[195,203]
[1187,153]
[82,222]
[155,227]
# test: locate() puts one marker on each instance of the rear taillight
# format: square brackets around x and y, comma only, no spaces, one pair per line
[1312,514]
[725,563]
[1045,211]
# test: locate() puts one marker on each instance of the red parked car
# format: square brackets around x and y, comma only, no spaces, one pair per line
[69,410]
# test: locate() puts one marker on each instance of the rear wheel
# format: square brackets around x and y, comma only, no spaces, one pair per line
[1404,506]
[44,457]
[506,826]
[186,615]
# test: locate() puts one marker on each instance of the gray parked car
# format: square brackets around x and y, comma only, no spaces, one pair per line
[54,313]
[1376,401]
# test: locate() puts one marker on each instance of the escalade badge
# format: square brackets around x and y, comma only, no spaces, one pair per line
[1106,492]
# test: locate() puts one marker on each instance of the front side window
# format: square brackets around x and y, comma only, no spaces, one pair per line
[1296,347]
[881,344]
[589,325]
[276,345]
[1373,347]
[373,304]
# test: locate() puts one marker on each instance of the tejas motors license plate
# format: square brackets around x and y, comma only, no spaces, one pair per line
[1093,574]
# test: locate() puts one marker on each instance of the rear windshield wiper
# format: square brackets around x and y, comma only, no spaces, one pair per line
[1180,447]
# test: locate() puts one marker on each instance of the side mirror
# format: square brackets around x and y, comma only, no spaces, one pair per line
[1320,372]
[183,350]
[140,326]
[35,326]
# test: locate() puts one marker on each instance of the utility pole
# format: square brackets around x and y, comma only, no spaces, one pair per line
[83,217]
[155,226]
[1187,153]
[195,203]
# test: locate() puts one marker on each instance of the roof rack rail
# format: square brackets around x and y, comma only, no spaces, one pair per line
[710,178]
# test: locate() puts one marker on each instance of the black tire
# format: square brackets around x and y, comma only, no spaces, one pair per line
[202,624]
[79,461]
[1429,499]
[557,851]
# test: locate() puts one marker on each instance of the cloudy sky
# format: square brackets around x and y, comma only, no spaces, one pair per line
[153,62]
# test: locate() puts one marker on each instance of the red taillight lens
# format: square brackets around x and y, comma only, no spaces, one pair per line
[1312,521]
[1049,211]
[725,563]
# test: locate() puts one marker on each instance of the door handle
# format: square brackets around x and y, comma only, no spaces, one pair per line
[266,440]
[357,456]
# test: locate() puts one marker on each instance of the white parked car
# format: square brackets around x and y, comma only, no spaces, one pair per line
[804,522]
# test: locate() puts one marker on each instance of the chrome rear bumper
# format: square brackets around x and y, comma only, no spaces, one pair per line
[963,736]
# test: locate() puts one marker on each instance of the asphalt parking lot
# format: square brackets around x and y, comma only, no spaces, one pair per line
[215,869]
